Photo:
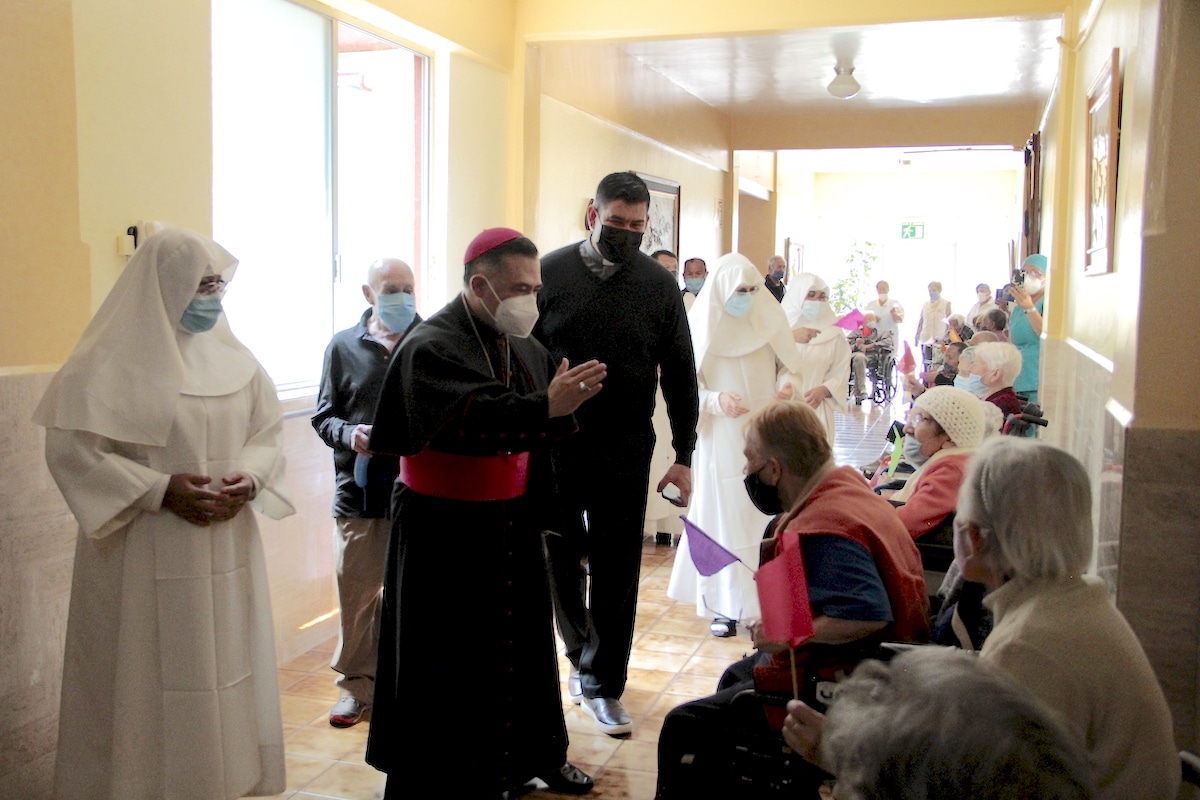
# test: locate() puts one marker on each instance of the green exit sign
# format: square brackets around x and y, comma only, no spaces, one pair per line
[912,230]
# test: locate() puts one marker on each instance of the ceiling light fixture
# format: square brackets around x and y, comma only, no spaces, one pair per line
[844,85]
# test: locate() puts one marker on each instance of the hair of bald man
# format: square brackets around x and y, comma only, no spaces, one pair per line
[376,271]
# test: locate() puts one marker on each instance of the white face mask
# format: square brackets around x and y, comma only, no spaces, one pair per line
[811,309]
[515,316]
[984,296]
[1033,284]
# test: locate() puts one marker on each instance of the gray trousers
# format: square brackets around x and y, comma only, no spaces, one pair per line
[359,553]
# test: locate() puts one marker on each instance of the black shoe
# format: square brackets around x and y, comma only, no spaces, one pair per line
[723,628]
[611,717]
[568,779]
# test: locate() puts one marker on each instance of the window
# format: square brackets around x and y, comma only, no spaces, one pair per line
[318,170]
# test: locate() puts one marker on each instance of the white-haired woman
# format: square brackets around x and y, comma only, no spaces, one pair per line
[937,723]
[740,335]
[1024,531]
[822,377]
[161,430]
[988,370]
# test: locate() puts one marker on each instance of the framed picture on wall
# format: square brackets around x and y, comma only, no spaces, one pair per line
[1103,144]
[663,231]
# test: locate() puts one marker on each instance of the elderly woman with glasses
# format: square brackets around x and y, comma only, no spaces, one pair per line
[1024,530]
[944,428]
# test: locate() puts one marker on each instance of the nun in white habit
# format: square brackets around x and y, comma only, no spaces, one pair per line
[740,334]
[161,428]
[824,372]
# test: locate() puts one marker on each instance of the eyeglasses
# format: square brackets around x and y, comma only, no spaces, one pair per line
[211,286]
[917,419]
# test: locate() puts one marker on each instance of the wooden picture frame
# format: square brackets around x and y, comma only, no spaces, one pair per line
[1032,212]
[1103,146]
[662,232]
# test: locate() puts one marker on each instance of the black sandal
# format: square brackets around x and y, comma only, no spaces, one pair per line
[723,628]
[569,779]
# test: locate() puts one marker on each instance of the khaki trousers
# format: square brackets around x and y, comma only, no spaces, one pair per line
[359,553]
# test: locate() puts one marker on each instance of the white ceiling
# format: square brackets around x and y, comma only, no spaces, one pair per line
[950,63]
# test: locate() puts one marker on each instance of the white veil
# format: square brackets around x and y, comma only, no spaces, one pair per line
[716,331]
[124,377]
[797,292]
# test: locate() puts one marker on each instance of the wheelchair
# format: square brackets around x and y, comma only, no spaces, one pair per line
[881,376]
[1022,424]
[881,372]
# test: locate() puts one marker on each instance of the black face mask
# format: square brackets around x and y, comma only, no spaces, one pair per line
[764,496]
[619,245]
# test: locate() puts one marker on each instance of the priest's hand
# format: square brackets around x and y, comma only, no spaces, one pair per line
[187,497]
[238,490]
[571,386]
[731,404]
[681,476]
[802,729]
[786,392]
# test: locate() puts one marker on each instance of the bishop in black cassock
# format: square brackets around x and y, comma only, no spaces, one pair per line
[467,686]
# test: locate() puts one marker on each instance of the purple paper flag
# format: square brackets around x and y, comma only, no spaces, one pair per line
[851,321]
[708,556]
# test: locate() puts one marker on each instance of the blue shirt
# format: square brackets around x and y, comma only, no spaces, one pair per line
[843,582]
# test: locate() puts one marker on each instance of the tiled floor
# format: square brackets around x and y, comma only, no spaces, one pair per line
[674,660]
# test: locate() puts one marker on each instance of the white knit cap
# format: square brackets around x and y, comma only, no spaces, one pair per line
[959,412]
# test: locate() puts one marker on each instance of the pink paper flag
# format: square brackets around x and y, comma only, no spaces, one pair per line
[851,321]
[708,556]
[907,363]
[783,597]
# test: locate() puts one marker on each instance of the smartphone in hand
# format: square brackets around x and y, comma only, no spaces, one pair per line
[672,495]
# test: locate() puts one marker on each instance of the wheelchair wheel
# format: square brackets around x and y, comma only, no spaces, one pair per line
[880,395]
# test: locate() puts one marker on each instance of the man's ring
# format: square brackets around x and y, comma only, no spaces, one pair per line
[583,387]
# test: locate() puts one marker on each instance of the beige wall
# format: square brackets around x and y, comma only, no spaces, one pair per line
[921,127]
[1114,379]
[756,230]
[46,298]
[476,148]
[579,149]
[143,82]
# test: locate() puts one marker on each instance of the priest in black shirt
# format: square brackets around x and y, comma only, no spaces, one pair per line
[604,299]
[467,689]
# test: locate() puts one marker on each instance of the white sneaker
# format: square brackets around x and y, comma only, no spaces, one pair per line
[348,712]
